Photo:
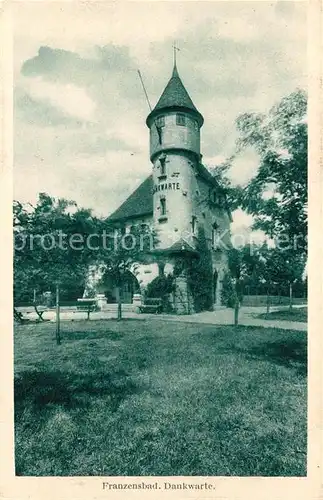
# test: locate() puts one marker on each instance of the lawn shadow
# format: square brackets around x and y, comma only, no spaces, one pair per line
[45,390]
[290,353]
[71,336]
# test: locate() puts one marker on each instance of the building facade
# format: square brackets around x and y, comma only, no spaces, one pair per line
[184,205]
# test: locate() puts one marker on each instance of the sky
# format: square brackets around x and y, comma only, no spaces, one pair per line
[80,110]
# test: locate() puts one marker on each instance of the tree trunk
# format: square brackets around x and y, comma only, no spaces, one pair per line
[236,312]
[236,305]
[118,294]
[58,326]
[290,296]
[268,301]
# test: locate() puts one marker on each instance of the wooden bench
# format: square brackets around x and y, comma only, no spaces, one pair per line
[151,306]
[19,314]
[86,305]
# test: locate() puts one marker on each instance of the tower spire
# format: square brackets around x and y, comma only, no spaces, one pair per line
[175,49]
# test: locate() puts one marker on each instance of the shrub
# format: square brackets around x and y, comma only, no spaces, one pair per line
[160,288]
[228,294]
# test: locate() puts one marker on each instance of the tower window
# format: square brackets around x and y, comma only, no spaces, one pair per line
[162,161]
[215,235]
[180,119]
[193,224]
[160,122]
[162,206]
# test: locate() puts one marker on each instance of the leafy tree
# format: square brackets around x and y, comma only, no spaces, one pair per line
[276,268]
[50,245]
[277,195]
[128,250]
[236,267]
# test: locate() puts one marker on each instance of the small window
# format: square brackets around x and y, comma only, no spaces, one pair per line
[162,206]
[193,224]
[162,161]
[160,122]
[180,119]
[215,235]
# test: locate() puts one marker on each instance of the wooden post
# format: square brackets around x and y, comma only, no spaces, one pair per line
[34,295]
[119,317]
[268,301]
[236,312]
[236,304]
[58,335]
[290,296]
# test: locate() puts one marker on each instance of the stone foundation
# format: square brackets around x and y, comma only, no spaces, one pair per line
[182,297]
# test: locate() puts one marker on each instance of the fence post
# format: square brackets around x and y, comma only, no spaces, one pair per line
[58,333]
[268,301]
[290,296]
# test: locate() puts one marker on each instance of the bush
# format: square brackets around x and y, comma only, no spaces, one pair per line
[200,275]
[160,288]
[228,294]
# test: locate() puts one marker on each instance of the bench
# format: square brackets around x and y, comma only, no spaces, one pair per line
[19,315]
[151,306]
[86,305]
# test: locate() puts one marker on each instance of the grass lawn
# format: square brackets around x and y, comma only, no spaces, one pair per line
[159,398]
[299,314]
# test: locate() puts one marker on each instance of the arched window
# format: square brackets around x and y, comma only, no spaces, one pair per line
[162,207]
[215,235]
[162,162]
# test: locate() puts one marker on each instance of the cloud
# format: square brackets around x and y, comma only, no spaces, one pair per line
[69,98]
[40,112]
[80,105]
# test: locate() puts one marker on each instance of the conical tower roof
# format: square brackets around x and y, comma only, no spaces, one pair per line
[176,97]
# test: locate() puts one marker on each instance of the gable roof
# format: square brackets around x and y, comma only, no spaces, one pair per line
[138,204]
[182,245]
[175,96]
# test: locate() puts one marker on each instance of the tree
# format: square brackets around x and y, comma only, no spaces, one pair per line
[277,195]
[238,262]
[51,245]
[277,267]
[128,250]
[270,268]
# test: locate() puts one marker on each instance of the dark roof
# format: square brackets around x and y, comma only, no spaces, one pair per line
[138,204]
[180,246]
[175,96]
[206,175]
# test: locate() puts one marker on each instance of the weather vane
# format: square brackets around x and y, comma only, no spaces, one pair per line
[175,49]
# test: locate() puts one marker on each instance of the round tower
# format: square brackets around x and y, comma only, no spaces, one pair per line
[174,126]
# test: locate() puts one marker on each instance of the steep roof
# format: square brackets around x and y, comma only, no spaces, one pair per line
[182,245]
[138,204]
[175,96]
